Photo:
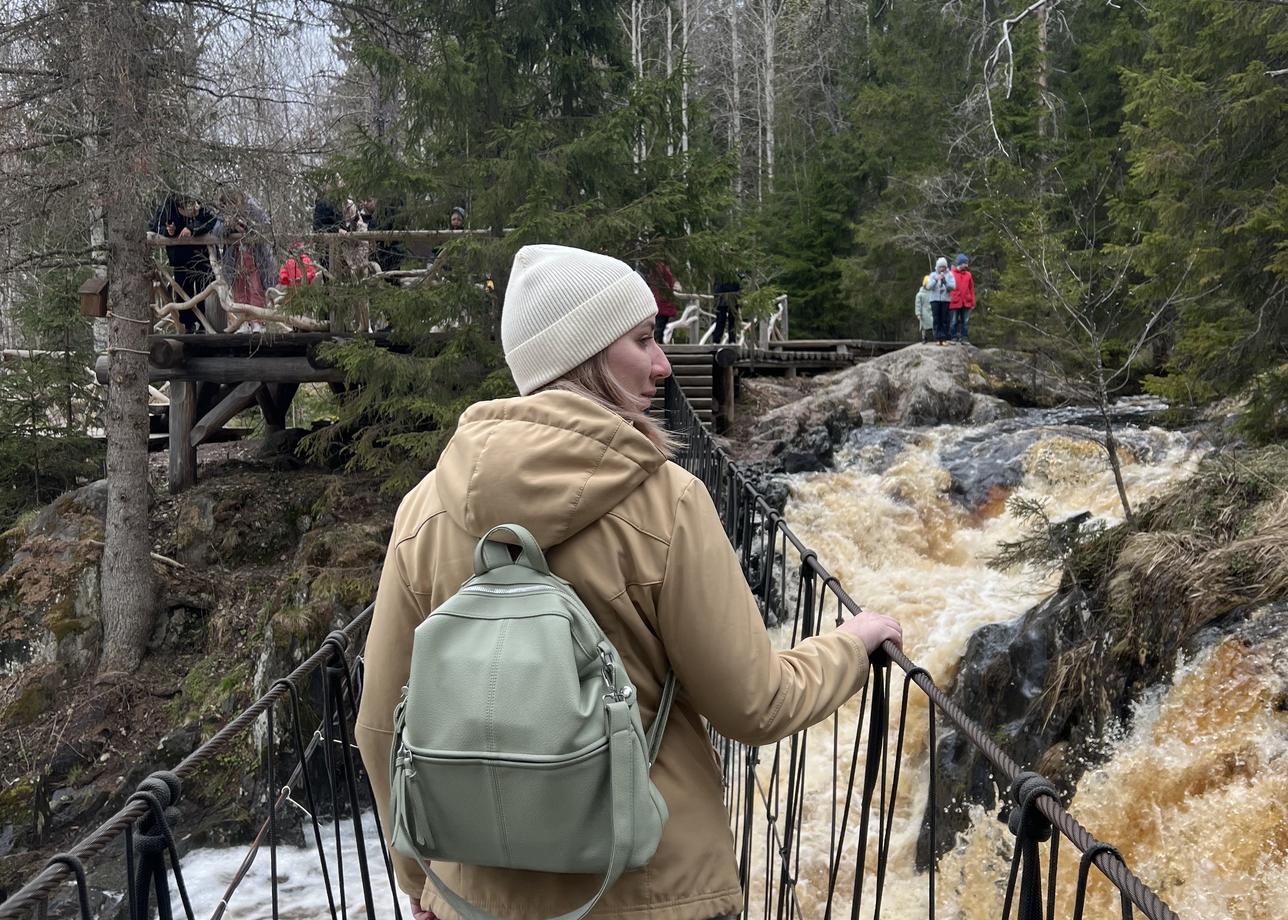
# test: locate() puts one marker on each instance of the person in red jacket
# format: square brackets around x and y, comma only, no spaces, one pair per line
[962,301]
[299,268]
[663,284]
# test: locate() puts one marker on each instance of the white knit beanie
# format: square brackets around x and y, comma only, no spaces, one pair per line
[564,306]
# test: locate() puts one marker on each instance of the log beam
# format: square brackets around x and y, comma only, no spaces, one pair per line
[218,369]
[242,397]
[274,400]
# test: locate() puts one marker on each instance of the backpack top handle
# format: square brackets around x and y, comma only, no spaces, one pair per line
[490,554]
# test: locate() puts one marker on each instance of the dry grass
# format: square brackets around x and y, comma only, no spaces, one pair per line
[1215,544]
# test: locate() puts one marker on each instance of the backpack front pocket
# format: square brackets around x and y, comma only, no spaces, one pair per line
[542,814]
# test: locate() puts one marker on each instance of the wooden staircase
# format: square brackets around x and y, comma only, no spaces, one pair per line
[691,368]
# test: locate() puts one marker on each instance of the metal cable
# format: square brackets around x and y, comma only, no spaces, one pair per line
[43,885]
[1107,861]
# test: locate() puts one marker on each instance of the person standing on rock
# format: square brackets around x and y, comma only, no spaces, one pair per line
[941,287]
[923,310]
[962,300]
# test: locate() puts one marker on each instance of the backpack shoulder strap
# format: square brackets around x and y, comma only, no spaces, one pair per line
[658,727]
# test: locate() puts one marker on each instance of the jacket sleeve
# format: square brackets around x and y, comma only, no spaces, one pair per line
[968,298]
[951,279]
[387,661]
[717,642]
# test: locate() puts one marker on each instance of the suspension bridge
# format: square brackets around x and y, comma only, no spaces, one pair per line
[311,768]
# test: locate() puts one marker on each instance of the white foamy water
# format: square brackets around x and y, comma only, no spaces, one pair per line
[907,522]
[301,890]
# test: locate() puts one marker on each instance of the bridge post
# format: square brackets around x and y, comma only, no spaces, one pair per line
[722,389]
[183,454]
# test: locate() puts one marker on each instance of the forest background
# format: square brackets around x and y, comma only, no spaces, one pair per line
[1113,169]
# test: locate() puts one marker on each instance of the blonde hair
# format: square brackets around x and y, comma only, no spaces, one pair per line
[592,379]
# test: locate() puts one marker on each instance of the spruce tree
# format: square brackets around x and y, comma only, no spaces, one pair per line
[1208,124]
[528,116]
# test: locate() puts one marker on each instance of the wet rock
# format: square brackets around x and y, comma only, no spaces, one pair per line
[986,409]
[1003,672]
[810,452]
[915,386]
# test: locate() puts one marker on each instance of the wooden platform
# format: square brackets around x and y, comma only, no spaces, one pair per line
[213,378]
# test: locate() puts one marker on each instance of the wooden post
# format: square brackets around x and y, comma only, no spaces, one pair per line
[183,456]
[241,397]
[722,389]
[274,400]
[333,267]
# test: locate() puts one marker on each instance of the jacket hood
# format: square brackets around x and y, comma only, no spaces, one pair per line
[553,462]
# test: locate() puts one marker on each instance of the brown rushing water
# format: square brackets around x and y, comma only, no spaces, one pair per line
[1195,792]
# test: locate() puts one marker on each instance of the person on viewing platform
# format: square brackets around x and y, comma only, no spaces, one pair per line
[248,262]
[183,217]
[941,287]
[578,461]
[727,291]
[663,284]
[298,269]
[924,310]
[387,254]
[962,300]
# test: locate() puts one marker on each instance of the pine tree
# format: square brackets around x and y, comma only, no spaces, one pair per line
[530,117]
[1208,124]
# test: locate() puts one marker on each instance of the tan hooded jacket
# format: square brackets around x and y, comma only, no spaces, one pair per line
[640,541]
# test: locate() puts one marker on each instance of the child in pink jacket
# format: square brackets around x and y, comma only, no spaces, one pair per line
[299,268]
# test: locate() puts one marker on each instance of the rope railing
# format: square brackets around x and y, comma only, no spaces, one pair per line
[764,543]
[772,849]
[142,823]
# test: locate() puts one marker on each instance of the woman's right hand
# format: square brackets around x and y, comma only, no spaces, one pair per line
[872,629]
[418,912]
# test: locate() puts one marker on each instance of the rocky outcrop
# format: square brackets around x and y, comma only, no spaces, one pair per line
[1001,678]
[918,385]
[1207,560]
[268,562]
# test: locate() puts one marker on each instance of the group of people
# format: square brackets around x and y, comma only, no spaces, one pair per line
[945,300]
[247,259]
[248,262]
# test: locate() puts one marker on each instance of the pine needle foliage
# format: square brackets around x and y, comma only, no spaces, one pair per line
[1046,545]
[531,119]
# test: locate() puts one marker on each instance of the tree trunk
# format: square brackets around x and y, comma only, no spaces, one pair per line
[1111,446]
[670,69]
[126,581]
[771,43]
[684,79]
[637,61]
[1046,115]
[735,120]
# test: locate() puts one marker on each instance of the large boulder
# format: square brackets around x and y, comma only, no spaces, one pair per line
[917,385]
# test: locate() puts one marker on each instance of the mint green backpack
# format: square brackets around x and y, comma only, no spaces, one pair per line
[518,743]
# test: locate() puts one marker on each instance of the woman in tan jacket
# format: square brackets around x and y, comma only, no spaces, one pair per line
[577,461]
